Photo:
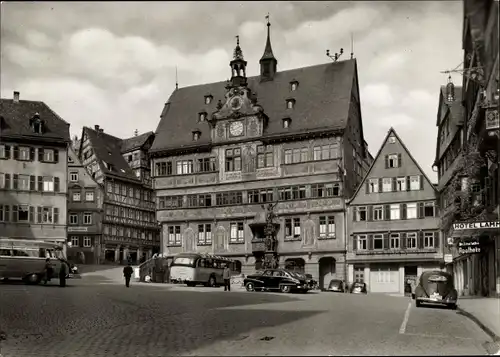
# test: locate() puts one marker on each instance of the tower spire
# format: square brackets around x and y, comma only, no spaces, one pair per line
[238,66]
[268,62]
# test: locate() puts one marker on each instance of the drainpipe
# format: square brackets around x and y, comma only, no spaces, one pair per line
[346,235]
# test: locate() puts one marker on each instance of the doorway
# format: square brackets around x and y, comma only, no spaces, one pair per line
[327,271]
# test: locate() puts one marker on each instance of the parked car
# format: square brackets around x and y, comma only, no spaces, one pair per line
[436,287]
[337,285]
[276,279]
[358,288]
[313,284]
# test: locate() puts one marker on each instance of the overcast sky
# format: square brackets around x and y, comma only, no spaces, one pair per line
[113,63]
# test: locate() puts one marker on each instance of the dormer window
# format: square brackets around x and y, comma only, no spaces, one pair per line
[392,139]
[294,85]
[36,124]
[196,135]
[287,122]
[202,116]
[290,103]
[208,99]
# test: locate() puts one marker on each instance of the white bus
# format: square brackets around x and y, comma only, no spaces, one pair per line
[25,259]
[193,269]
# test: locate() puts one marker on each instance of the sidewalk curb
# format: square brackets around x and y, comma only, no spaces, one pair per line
[486,329]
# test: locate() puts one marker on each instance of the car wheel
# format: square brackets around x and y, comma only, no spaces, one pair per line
[190,284]
[211,282]
[453,306]
[32,279]
[285,288]
[417,303]
[250,287]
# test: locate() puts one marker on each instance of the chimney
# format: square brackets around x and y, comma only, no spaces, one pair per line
[101,130]
[136,132]
[96,127]
[16,97]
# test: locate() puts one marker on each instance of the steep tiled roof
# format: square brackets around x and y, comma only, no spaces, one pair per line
[322,102]
[15,121]
[107,149]
[135,142]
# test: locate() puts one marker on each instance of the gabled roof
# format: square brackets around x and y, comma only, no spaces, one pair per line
[384,143]
[321,102]
[107,149]
[15,121]
[135,142]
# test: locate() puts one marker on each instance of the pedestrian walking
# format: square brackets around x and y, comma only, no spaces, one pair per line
[227,278]
[63,272]
[127,273]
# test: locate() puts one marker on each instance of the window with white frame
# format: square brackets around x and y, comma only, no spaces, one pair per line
[48,184]
[401,184]
[359,275]
[24,153]
[395,212]
[362,242]
[326,226]
[87,218]
[184,167]
[429,209]
[47,216]
[292,228]
[73,176]
[394,241]
[174,235]
[392,139]
[75,241]
[48,155]
[77,196]
[411,211]
[378,241]
[87,242]
[237,232]
[378,213]
[411,240]
[233,160]
[3,152]
[428,239]
[361,214]
[23,182]
[204,234]
[73,218]
[2,181]
[373,185]
[392,161]
[89,196]
[386,184]
[414,183]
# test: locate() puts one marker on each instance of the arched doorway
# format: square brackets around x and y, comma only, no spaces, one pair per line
[296,265]
[327,271]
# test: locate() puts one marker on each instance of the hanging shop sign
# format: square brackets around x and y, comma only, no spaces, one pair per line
[448,258]
[469,247]
[476,225]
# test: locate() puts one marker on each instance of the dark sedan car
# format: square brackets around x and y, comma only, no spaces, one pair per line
[337,285]
[275,279]
[436,287]
[358,288]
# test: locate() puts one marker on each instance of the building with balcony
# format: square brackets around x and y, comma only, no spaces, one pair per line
[469,178]
[85,204]
[34,144]
[121,168]
[222,150]
[393,222]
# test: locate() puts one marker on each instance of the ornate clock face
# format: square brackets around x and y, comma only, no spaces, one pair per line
[236,128]
[236,103]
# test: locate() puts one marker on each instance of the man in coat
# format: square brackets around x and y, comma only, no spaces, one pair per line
[226,275]
[127,273]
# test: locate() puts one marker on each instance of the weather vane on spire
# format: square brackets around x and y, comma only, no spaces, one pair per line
[238,53]
[237,40]
[267,18]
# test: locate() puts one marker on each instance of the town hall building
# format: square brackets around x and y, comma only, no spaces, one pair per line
[223,150]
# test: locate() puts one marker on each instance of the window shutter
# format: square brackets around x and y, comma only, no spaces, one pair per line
[402,241]
[370,241]
[56,155]
[16,153]
[394,184]
[56,184]
[14,181]
[40,183]
[407,183]
[420,240]
[6,213]
[420,210]
[436,208]
[56,215]
[380,185]
[14,214]
[354,213]
[32,154]
[7,181]
[40,154]
[437,239]
[399,160]
[387,212]
[32,214]
[403,211]
[354,243]
[32,183]
[421,182]
[367,186]
[386,241]
[386,159]
[7,152]
[369,213]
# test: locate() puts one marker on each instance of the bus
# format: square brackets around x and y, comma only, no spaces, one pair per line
[197,268]
[25,259]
